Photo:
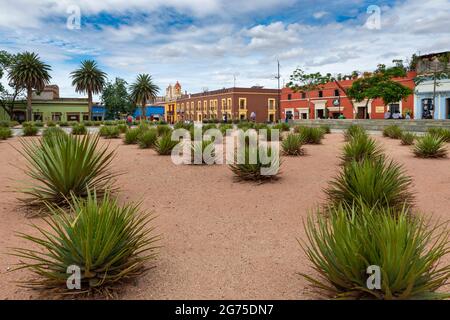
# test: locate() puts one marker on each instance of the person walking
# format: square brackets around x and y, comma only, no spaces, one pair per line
[129,120]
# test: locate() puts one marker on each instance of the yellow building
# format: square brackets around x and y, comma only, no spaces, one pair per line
[173,93]
[170,109]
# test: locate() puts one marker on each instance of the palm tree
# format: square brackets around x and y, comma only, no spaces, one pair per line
[143,90]
[29,72]
[88,79]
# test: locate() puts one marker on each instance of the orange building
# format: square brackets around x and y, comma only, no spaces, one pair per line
[330,101]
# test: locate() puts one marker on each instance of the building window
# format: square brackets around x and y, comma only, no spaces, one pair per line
[229,104]
[303,95]
[242,103]
[394,108]
[320,94]
[271,104]
[37,116]
[56,116]
[223,104]
[336,93]
[289,96]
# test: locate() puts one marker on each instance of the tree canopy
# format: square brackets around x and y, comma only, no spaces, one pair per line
[300,81]
[380,85]
[25,71]
[116,99]
[9,93]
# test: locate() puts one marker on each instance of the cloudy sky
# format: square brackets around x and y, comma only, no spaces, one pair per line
[205,43]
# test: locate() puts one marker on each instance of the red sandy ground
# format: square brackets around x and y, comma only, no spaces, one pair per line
[221,239]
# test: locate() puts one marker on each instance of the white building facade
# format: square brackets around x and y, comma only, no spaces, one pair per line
[423,100]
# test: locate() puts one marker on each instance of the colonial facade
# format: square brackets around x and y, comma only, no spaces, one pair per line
[49,106]
[432,98]
[173,94]
[232,103]
[330,101]
[424,107]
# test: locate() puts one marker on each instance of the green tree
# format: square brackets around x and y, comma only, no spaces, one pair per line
[307,82]
[413,61]
[8,96]
[116,99]
[380,85]
[29,72]
[88,79]
[142,91]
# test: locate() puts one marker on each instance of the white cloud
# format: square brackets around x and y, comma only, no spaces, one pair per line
[320,14]
[209,51]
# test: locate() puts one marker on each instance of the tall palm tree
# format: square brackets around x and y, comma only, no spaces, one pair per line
[143,90]
[29,72]
[88,79]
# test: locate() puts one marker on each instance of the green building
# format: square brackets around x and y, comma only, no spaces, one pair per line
[48,106]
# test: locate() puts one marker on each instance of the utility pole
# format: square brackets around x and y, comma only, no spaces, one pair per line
[278,77]
[435,75]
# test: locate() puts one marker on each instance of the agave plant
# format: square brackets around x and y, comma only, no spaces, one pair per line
[205,148]
[267,134]
[393,132]
[311,135]
[256,170]
[326,129]
[163,130]
[29,131]
[109,243]
[408,138]
[359,148]
[165,144]
[430,146]
[123,128]
[225,127]
[293,145]
[206,127]
[376,182]
[353,131]
[147,139]
[109,132]
[283,126]
[345,241]
[50,124]
[5,133]
[79,129]
[132,136]
[53,131]
[61,165]
[440,132]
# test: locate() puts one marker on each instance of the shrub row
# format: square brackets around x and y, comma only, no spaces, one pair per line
[86,228]
[369,221]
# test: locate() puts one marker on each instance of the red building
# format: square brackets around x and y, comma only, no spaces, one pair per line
[331,101]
